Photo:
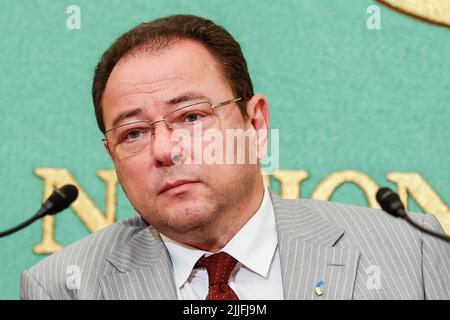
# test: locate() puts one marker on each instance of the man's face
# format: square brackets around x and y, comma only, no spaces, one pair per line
[148,82]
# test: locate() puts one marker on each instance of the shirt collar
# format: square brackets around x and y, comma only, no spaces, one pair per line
[183,259]
[253,246]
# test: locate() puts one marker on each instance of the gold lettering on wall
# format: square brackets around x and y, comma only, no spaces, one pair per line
[413,184]
[83,207]
[435,11]
[290,181]
[408,184]
[327,186]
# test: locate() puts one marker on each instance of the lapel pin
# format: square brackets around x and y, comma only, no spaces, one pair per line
[318,288]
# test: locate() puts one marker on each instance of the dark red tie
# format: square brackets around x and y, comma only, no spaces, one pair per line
[219,267]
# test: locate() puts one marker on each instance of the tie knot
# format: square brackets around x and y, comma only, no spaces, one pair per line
[219,267]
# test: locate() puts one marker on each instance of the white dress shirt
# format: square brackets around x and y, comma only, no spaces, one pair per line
[257,274]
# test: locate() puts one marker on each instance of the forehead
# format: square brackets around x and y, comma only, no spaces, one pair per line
[152,78]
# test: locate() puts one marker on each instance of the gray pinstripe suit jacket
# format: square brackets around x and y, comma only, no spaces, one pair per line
[345,246]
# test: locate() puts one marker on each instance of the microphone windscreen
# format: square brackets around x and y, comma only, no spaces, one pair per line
[70,192]
[61,198]
[382,193]
[390,202]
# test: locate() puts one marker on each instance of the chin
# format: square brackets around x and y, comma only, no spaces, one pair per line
[184,216]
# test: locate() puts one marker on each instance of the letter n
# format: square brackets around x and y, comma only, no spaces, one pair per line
[83,207]
[413,184]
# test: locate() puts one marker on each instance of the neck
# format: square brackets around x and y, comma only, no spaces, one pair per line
[214,237]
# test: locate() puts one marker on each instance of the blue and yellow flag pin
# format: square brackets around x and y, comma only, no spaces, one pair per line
[318,288]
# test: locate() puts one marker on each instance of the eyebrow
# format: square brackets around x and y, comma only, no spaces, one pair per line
[125,115]
[184,97]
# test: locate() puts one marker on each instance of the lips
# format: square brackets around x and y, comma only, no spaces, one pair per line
[171,185]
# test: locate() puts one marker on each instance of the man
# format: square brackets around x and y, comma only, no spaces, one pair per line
[208,229]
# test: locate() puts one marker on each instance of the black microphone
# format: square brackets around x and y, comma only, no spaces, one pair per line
[59,200]
[390,202]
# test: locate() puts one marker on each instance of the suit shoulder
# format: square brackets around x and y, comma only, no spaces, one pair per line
[371,224]
[90,251]
[348,212]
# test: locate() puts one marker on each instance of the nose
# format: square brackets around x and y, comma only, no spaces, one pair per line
[162,145]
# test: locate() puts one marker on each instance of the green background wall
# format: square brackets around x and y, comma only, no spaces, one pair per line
[343,97]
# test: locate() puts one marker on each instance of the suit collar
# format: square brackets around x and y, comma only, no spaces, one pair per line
[145,270]
[310,253]
[296,221]
[144,248]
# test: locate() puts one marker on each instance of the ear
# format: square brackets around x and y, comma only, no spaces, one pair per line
[259,118]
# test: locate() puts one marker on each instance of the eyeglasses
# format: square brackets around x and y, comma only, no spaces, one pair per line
[131,138]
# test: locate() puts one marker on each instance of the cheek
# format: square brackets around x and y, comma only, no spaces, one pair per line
[223,176]
[133,175]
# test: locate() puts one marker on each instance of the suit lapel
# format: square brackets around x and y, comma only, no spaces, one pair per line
[145,270]
[308,253]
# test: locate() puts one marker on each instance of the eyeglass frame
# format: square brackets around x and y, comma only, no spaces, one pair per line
[163,119]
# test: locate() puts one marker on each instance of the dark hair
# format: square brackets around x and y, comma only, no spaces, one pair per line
[159,34]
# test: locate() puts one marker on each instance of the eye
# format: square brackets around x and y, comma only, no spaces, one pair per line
[192,117]
[134,134]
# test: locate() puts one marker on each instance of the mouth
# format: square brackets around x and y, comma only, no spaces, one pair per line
[176,186]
